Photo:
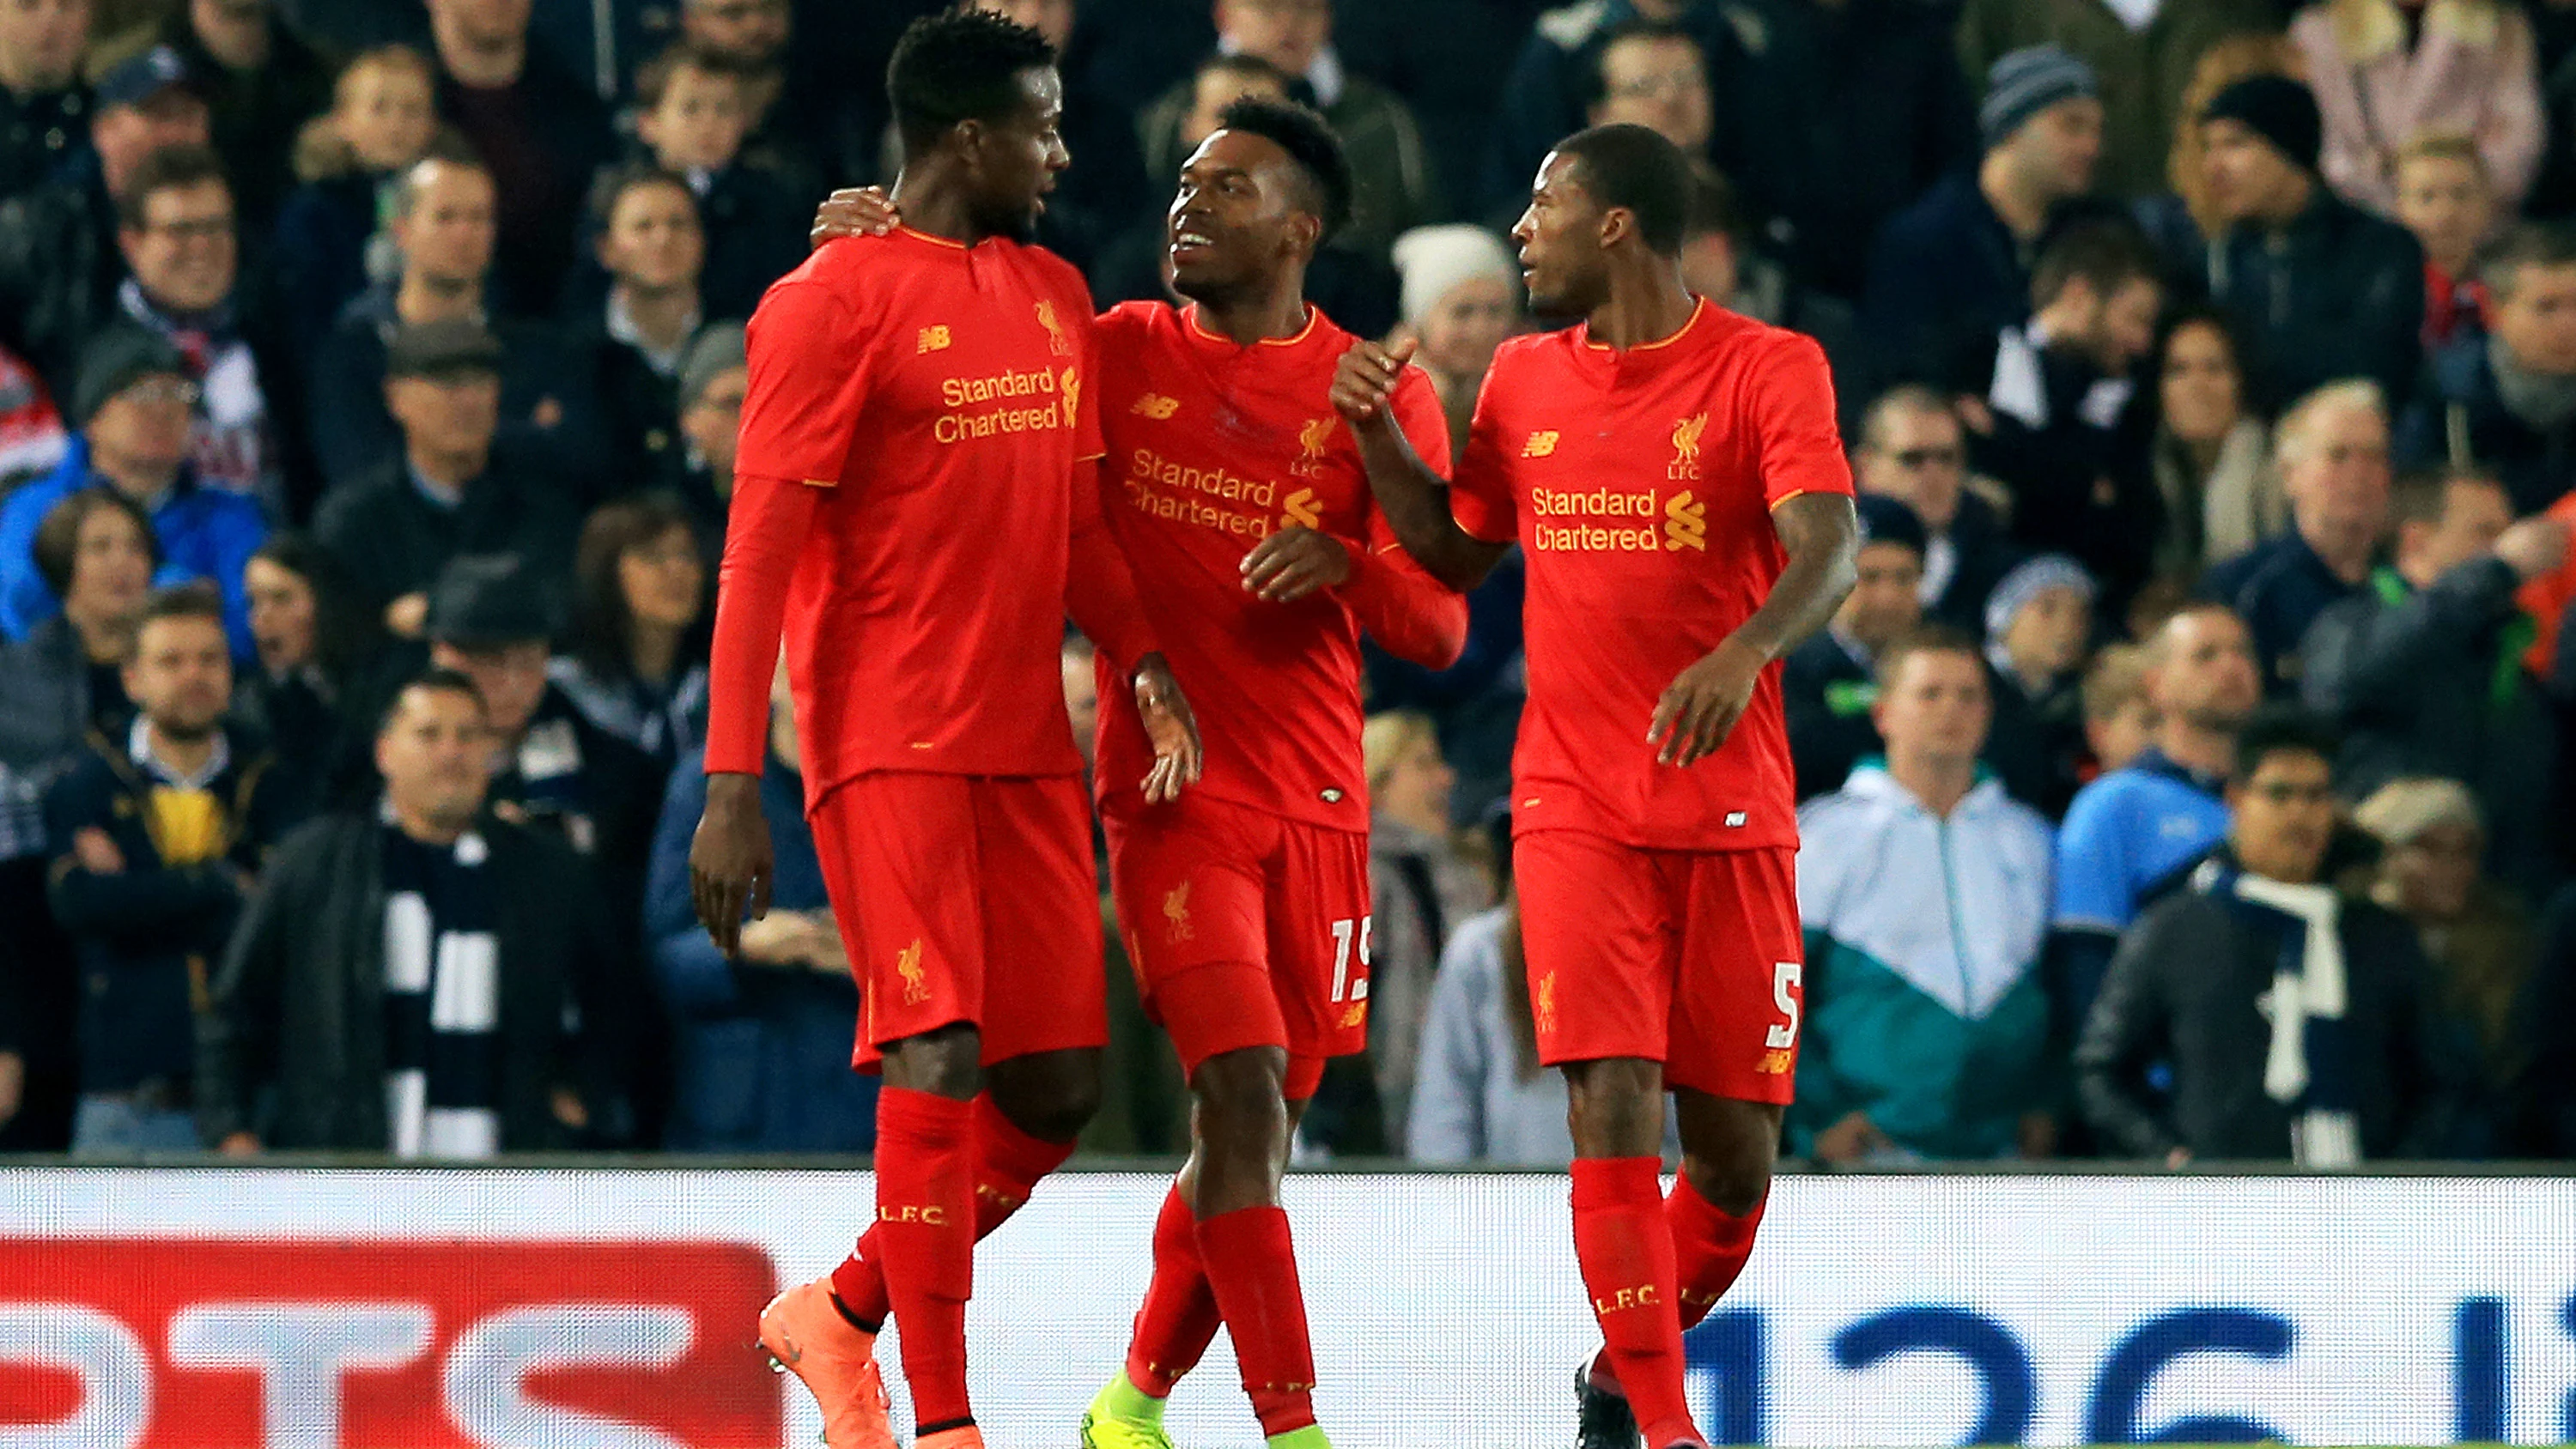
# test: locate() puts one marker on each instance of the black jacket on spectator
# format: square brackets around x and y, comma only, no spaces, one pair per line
[148,936]
[1984,553]
[2543,1122]
[319,256]
[2337,293]
[1825,694]
[2279,587]
[639,408]
[2461,420]
[2430,682]
[2080,487]
[292,1045]
[393,540]
[2036,742]
[51,698]
[2185,987]
[543,137]
[256,114]
[59,267]
[40,135]
[1831,118]
[756,227]
[1945,276]
[546,401]
[1542,97]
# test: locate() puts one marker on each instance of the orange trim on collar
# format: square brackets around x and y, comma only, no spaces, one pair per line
[941,241]
[1683,331]
[1314,314]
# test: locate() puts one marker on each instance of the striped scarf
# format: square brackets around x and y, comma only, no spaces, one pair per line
[442,998]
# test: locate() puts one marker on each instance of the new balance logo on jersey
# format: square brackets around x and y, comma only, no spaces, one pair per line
[1302,509]
[1176,914]
[916,983]
[1540,444]
[932,339]
[1685,522]
[1156,406]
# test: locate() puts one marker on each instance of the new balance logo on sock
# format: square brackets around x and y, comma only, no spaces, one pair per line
[1643,1296]
[933,1215]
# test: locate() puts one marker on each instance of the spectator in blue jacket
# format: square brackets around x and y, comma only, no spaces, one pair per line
[762,1063]
[1925,891]
[2133,831]
[132,406]
[2333,450]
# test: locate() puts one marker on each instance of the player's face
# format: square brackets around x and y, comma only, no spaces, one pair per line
[1016,158]
[1562,265]
[1235,221]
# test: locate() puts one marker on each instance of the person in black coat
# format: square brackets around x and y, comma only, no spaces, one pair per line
[451,492]
[542,132]
[650,239]
[690,119]
[296,1049]
[1828,684]
[159,836]
[2290,1013]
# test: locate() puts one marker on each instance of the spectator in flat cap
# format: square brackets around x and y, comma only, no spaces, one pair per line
[44,107]
[2143,54]
[715,376]
[492,618]
[132,405]
[443,224]
[59,264]
[1828,685]
[1953,269]
[453,489]
[2322,289]
[260,81]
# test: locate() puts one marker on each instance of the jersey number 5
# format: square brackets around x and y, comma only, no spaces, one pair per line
[1344,987]
[1784,979]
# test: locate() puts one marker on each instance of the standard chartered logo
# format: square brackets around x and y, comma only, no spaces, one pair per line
[1613,520]
[1685,522]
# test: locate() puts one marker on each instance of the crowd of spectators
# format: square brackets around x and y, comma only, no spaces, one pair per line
[2186,777]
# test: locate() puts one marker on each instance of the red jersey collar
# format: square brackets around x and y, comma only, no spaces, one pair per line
[1647,356]
[1201,333]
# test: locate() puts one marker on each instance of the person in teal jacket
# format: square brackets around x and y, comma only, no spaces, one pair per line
[1924,890]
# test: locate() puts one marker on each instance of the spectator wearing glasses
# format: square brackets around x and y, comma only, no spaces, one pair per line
[2291,1014]
[134,406]
[1913,449]
[59,263]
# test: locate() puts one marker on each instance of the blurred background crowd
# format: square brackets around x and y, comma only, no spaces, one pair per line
[2186,777]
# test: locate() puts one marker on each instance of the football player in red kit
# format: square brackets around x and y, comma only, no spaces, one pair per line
[1673,473]
[1243,506]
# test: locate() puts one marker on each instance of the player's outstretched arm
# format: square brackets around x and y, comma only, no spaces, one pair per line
[1414,498]
[1820,532]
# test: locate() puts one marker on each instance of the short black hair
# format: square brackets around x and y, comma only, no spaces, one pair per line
[2282,729]
[434,680]
[166,169]
[2532,244]
[2105,255]
[194,599]
[1309,140]
[1635,168]
[1592,79]
[959,65]
[611,186]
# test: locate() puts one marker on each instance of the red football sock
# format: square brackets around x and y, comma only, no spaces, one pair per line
[1178,1318]
[925,1236]
[1710,1248]
[1252,1268]
[1008,1164]
[1627,1257]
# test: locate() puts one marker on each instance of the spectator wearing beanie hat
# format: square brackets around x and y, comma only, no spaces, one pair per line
[1953,270]
[131,404]
[2039,623]
[1461,300]
[2322,289]
[1829,683]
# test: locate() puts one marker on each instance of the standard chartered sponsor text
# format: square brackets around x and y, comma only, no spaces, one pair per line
[1598,520]
[1206,497]
[1004,387]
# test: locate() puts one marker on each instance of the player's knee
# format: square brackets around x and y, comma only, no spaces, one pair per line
[1241,1087]
[1615,1108]
[946,1062]
[1727,1151]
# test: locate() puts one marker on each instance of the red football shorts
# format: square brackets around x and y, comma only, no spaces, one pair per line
[1245,930]
[1689,958]
[964,898]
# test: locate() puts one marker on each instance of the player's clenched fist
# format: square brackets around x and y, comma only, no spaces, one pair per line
[1171,727]
[1700,707]
[1365,382]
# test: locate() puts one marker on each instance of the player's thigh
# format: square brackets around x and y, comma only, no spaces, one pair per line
[1190,882]
[1737,1009]
[1598,928]
[1318,908]
[1039,893]
[900,862]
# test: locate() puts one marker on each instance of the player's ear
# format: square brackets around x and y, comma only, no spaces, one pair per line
[1618,223]
[1305,233]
